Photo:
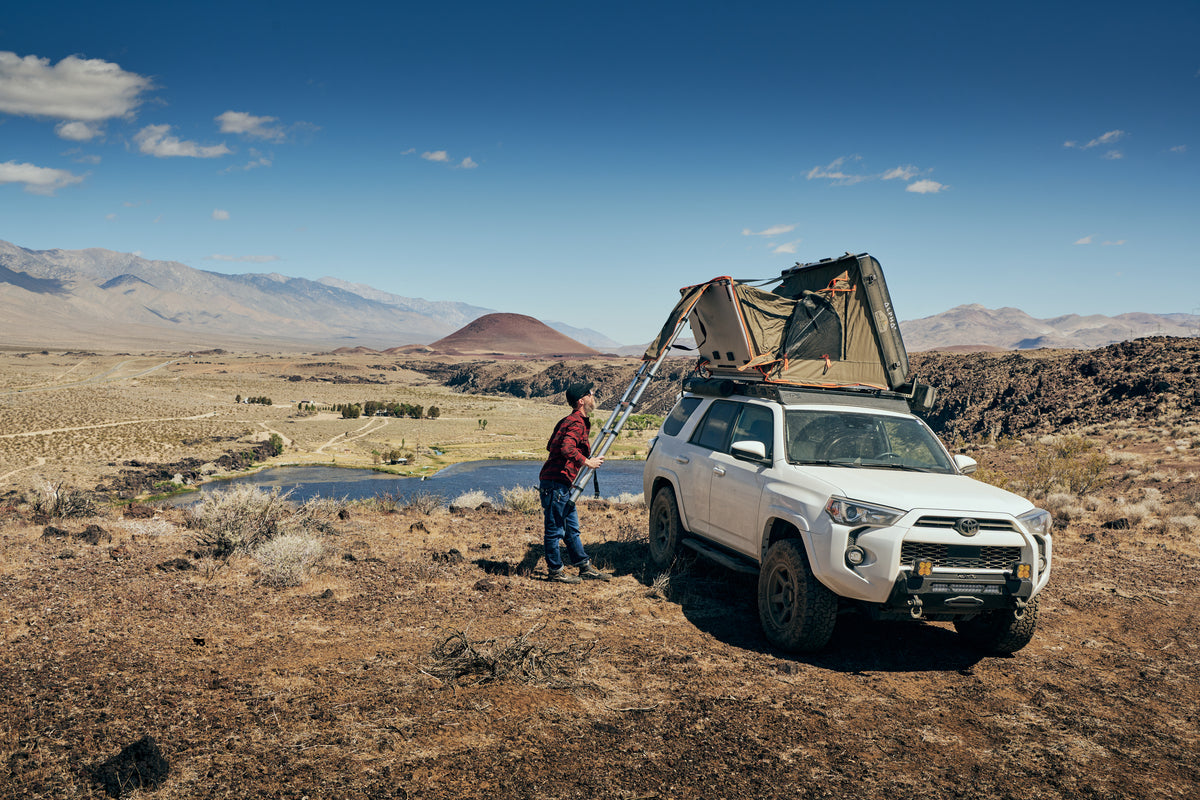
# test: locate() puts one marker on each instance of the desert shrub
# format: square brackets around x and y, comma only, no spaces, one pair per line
[316,514]
[276,442]
[473,499]
[1188,524]
[635,499]
[290,559]
[522,499]
[384,502]
[425,502]
[992,476]
[1069,463]
[1133,513]
[238,519]
[56,501]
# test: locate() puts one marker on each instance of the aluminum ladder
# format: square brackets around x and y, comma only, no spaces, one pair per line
[620,414]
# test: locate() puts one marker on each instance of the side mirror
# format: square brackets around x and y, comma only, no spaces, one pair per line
[749,451]
[966,465]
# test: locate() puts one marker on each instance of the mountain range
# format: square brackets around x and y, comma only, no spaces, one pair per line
[101,298]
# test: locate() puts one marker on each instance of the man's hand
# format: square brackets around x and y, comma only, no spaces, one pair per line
[594,463]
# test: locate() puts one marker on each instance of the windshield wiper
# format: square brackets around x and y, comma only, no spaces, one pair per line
[886,465]
[829,463]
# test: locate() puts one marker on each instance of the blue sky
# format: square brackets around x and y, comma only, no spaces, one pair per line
[580,162]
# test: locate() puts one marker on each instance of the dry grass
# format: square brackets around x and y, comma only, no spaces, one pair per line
[74,419]
[459,659]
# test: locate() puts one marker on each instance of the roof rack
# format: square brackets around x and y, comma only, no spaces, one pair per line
[919,398]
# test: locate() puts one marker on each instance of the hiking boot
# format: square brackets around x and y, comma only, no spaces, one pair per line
[589,571]
[560,576]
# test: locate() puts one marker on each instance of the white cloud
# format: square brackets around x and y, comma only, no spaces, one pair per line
[153,140]
[37,180]
[468,163]
[240,122]
[257,160]
[78,156]
[1113,155]
[786,247]
[833,171]
[905,173]
[77,131]
[1117,243]
[1084,240]
[925,187]
[220,214]
[88,90]
[1103,139]
[774,230]
[1179,148]
[251,259]
[440,156]
[110,217]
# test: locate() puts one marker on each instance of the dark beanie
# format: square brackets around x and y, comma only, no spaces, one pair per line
[576,391]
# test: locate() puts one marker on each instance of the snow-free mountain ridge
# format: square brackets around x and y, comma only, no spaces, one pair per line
[100,298]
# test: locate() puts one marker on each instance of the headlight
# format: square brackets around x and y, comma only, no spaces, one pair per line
[855,514]
[1037,522]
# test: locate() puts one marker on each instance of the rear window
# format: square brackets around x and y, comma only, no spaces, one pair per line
[679,415]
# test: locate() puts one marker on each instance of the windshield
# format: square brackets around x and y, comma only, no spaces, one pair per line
[863,439]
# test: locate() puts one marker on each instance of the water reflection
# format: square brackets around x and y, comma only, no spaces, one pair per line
[490,477]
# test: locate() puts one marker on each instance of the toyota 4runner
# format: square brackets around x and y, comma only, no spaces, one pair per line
[840,499]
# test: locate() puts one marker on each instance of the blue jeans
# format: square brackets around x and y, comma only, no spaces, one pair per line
[561,523]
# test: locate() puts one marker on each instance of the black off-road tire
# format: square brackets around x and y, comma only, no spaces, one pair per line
[666,529]
[797,611]
[999,632]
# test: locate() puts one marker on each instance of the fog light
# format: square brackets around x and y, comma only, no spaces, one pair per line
[923,568]
[855,555]
[1023,571]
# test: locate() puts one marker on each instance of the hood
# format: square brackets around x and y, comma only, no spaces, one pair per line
[953,494]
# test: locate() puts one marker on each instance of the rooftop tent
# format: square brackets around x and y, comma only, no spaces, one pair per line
[826,324]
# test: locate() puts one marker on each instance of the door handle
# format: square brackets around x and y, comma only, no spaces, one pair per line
[719,471]
[681,459]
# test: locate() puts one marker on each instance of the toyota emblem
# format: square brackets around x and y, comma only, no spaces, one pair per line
[967,526]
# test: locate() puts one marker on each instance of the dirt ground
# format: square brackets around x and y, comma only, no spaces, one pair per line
[124,652]
[332,689]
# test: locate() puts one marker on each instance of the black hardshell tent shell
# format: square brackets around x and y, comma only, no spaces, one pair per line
[828,324]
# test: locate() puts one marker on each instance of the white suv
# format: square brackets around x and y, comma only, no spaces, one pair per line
[841,499]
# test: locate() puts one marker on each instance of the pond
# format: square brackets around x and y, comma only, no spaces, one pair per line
[306,482]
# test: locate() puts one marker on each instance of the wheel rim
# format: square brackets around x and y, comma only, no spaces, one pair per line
[658,534]
[781,596]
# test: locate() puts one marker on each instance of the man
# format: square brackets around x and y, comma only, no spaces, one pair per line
[570,450]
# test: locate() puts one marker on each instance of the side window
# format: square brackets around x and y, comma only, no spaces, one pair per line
[713,431]
[673,424]
[756,424]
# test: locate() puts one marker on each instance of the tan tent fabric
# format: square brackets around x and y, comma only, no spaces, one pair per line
[765,316]
[691,294]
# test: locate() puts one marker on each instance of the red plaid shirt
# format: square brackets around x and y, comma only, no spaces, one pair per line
[569,446]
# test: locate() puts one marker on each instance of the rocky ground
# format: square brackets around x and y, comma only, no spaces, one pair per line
[428,657]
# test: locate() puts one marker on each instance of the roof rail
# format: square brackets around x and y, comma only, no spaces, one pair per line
[919,398]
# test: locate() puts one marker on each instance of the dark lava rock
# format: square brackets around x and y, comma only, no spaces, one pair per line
[94,534]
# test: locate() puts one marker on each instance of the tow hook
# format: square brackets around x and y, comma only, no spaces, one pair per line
[1019,611]
[915,607]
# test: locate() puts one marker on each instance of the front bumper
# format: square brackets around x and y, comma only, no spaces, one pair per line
[968,573]
[947,595]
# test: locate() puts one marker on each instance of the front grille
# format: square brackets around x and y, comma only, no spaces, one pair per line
[960,556]
[948,523]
